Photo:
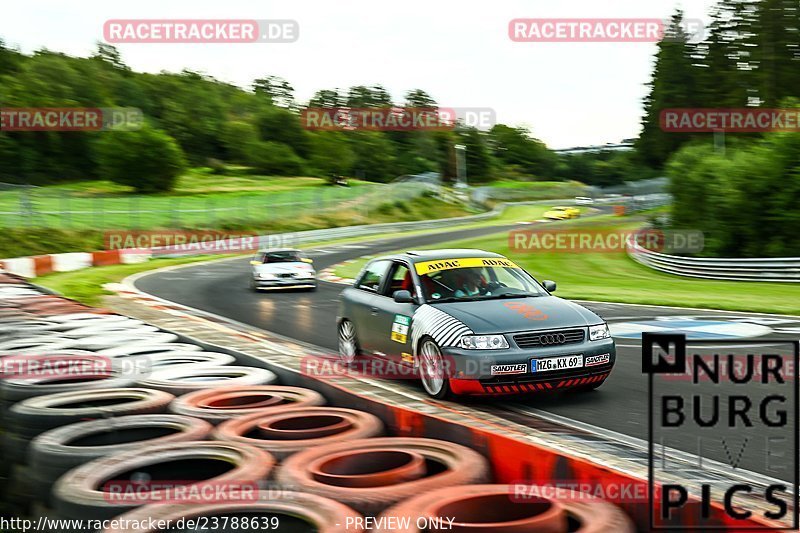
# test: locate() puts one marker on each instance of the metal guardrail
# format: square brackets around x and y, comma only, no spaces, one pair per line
[779,269]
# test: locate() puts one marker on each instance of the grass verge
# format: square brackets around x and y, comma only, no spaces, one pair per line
[86,286]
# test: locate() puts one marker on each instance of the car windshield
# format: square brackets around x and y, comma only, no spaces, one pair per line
[471,283]
[282,257]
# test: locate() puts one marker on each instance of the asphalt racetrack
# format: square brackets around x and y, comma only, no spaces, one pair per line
[620,405]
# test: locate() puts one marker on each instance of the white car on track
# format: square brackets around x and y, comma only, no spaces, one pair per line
[282,268]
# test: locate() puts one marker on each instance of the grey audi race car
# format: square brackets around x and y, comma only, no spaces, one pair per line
[472,322]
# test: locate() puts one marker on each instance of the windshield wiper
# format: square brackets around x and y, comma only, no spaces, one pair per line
[454,299]
[509,295]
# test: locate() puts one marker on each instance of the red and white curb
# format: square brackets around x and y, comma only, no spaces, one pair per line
[329,274]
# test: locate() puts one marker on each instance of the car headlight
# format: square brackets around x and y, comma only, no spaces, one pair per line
[484,342]
[599,332]
[264,275]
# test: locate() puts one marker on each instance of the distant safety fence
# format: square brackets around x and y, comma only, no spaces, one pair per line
[51,207]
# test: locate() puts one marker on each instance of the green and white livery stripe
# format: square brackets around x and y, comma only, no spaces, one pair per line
[445,329]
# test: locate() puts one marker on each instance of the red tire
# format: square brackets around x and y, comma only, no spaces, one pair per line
[283,432]
[448,465]
[223,403]
[496,508]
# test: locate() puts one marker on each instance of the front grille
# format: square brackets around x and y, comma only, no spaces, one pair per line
[550,338]
[285,275]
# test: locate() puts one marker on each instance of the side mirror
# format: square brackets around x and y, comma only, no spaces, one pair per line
[255,263]
[307,260]
[550,286]
[403,297]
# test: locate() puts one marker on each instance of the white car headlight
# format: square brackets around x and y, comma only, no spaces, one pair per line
[599,332]
[484,342]
[264,275]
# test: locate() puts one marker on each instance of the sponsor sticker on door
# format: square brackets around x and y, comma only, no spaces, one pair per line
[502,370]
[557,363]
[400,328]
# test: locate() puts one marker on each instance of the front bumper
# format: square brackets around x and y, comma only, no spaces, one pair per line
[284,283]
[470,370]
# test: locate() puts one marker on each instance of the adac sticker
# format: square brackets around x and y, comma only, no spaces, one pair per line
[427,267]
[400,328]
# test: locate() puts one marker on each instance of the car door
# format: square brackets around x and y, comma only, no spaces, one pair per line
[393,319]
[365,299]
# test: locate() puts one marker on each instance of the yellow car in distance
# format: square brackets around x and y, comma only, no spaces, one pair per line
[562,213]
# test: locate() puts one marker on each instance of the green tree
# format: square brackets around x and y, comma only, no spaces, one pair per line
[279,125]
[515,146]
[331,154]
[277,159]
[148,159]
[673,85]
[374,158]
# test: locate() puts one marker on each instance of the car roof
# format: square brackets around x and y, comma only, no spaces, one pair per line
[416,256]
[272,250]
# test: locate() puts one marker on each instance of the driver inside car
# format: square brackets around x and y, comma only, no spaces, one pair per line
[468,283]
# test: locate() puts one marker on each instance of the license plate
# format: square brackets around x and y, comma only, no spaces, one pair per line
[557,363]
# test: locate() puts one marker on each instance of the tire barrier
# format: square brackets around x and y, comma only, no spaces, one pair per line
[114,340]
[285,431]
[29,418]
[446,465]
[16,390]
[220,404]
[33,416]
[86,491]
[170,360]
[37,345]
[25,327]
[189,378]
[149,349]
[286,511]
[495,508]
[70,447]
[56,451]
[115,328]
[88,319]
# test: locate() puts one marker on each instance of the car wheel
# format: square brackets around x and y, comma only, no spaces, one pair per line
[348,343]
[432,371]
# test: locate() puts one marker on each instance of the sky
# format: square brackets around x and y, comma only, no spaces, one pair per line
[459,51]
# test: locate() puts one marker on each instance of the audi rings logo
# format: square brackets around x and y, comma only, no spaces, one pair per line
[553,338]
